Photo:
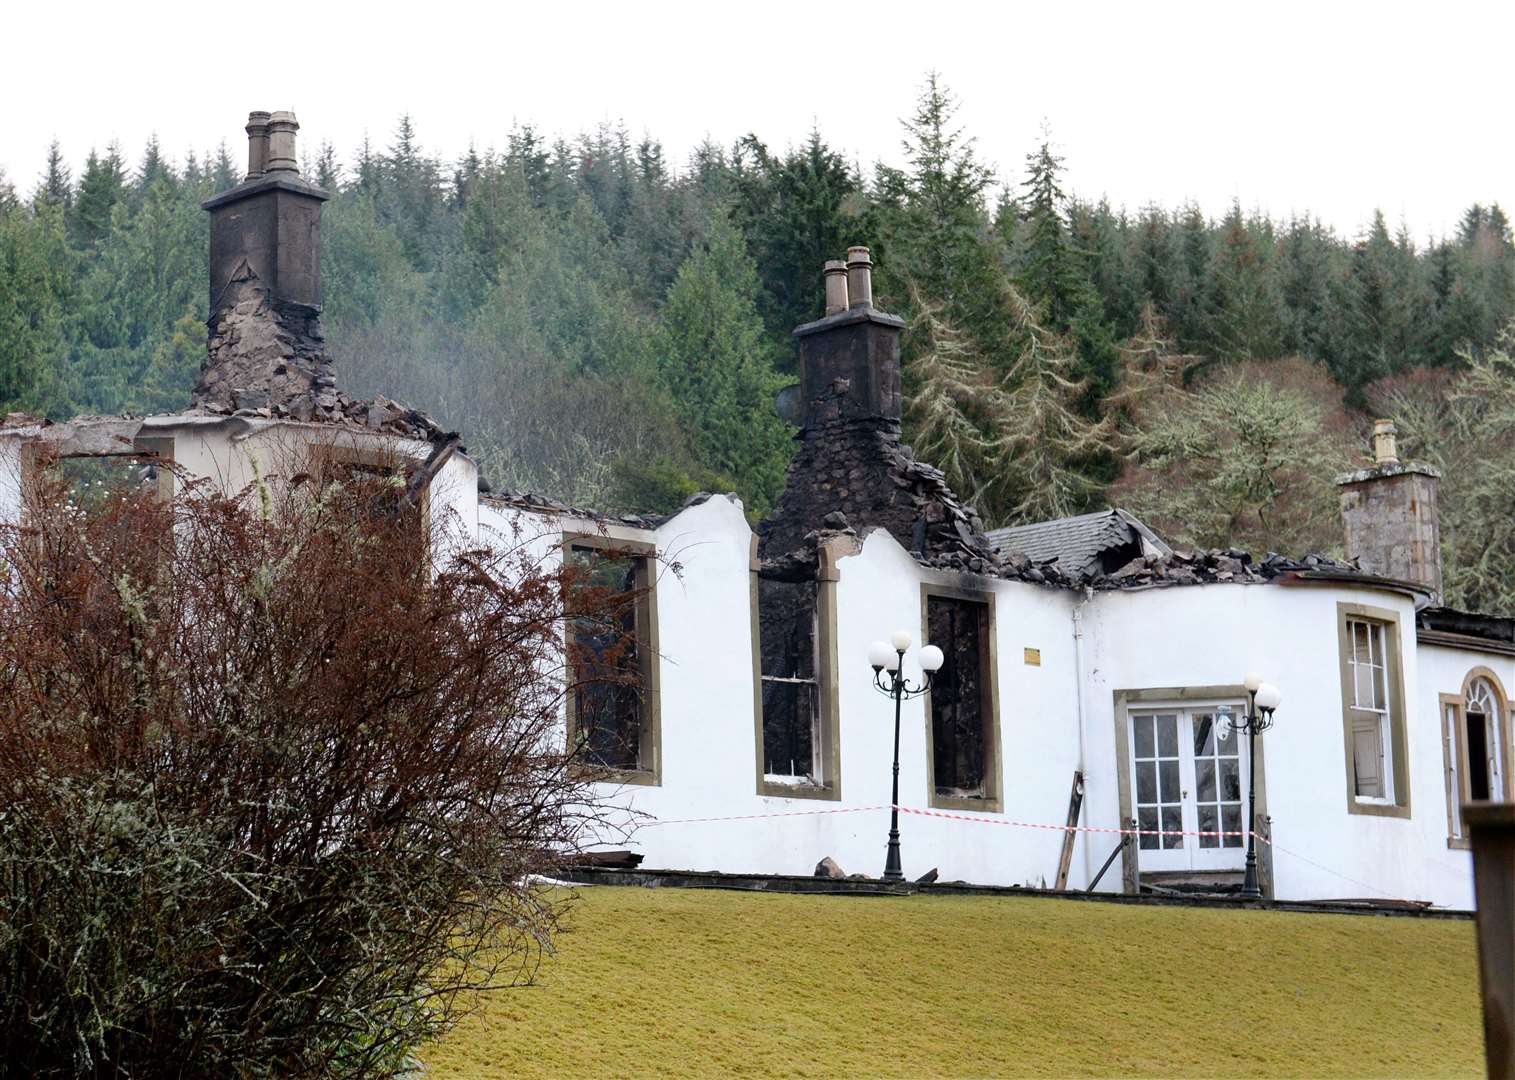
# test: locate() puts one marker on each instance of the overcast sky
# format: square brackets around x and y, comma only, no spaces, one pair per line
[1332,107]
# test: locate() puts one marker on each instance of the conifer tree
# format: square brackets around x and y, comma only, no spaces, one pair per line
[714,364]
[1244,309]
[36,279]
[792,211]
[1305,272]
[1054,275]
[155,167]
[933,225]
[949,397]
[57,184]
[101,187]
[1050,458]
[223,172]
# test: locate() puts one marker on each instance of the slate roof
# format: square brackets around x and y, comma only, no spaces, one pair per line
[1082,546]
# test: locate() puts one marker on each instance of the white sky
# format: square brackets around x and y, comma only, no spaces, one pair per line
[1328,106]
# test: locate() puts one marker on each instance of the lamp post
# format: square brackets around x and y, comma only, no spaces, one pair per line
[1262,699]
[890,656]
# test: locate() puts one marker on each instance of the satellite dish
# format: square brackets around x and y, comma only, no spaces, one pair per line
[788,405]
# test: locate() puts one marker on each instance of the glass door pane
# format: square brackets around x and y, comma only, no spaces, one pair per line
[1158,791]
[1217,783]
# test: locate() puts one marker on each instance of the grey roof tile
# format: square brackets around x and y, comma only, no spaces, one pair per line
[1077,543]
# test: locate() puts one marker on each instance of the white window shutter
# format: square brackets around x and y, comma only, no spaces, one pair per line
[1367,756]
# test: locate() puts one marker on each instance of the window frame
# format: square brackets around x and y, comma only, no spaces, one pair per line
[1396,801]
[1454,714]
[323,455]
[993,799]
[827,736]
[37,454]
[1145,699]
[649,773]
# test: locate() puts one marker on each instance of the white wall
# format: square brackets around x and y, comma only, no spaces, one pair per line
[1176,637]
[1443,671]
[1173,637]
[1212,635]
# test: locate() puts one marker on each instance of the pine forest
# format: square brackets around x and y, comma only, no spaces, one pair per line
[610,325]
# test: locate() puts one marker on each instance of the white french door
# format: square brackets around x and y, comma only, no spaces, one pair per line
[1185,779]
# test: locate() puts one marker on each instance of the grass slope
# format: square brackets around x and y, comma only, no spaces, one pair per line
[700,983]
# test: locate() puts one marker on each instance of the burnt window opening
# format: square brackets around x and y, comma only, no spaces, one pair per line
[93,482]
[791,697]
[960,703]
[87,511]
[610,657]
[373,488]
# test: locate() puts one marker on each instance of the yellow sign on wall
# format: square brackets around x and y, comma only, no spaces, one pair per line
[1033,656]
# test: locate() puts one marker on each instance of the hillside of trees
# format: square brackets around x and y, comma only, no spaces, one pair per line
[611,328]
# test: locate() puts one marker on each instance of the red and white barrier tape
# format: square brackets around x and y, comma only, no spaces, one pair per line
[752,817]
[958,817]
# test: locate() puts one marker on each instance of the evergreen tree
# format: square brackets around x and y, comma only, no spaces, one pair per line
[1305,274]
[1050,459]
[933,227]
[1190,312]
[102,186]
[1244,312]
[1054,275]
[1105,238]
[154,167]
[792,212]
[1155,263]
[1379,303]
[717,370]
[411,198]
[949,399]
[223,171]
[327,169]
[35,301]
[57,184]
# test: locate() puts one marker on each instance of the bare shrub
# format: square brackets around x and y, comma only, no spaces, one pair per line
[277,786]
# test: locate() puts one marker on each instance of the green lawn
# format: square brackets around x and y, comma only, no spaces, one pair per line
[684,982]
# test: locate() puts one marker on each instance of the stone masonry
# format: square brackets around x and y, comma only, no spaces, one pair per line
[1390,515]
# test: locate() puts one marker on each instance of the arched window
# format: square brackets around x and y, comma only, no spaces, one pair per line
[1483,724]
[1477,746]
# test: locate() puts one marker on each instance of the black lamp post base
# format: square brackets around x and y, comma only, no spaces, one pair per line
[893,871]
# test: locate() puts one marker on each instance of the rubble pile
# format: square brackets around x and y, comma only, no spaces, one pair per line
[1188,566]
[533,503]
[267,358]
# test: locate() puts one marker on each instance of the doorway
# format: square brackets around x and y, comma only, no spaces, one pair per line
[1187,778]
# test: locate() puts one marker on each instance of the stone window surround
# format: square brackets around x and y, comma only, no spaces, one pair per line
[650,744]
[1394,679]
[1455,746]
[1180,697]
[994,800]
[828,725]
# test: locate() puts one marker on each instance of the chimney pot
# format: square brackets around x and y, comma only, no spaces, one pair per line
[281,142]
[836,286]
[1385,449]
[859,277]
[257,144]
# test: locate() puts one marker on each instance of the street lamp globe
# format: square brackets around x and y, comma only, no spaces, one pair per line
[1252,680]
[900,640]
[931,658]
[881,656]
[1269,697]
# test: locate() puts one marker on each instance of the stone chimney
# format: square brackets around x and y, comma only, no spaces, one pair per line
[265,348]
[1390,515]
[850,470]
